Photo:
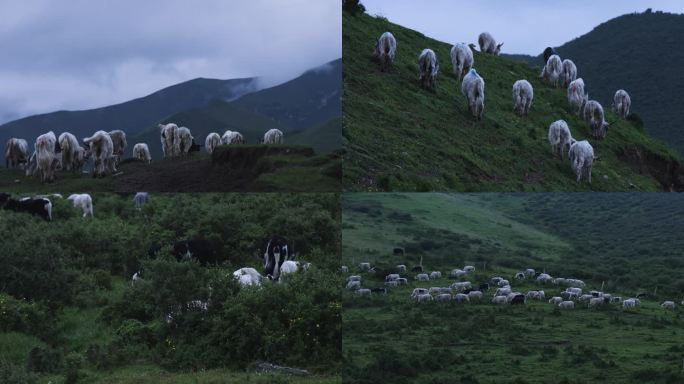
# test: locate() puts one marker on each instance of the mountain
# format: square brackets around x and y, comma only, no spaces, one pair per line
[299,108]
[401,137]
[309,100]
[131,116]
[640,53]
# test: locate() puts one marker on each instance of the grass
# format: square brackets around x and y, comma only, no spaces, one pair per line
[400,137]
[389,337]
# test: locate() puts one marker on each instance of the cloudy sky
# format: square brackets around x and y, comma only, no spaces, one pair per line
[525,26]
[81,54]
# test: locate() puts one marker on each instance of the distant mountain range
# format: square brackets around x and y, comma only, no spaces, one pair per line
[311,100]
[642,54]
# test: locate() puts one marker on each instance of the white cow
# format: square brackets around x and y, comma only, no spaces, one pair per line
[248,276]
[566,305]
[668,305]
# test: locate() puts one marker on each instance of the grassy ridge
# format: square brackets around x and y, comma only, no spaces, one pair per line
[249,168]
[568,235]
[402,137]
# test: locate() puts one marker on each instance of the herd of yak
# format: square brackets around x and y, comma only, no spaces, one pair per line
[556,73]
[52,153]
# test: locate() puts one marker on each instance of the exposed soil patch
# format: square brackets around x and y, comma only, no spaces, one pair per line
[668,172]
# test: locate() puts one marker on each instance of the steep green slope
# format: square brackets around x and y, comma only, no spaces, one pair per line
[324,138]
[309,100]
[639,53]
[401,137]
[132,116]
[389,337]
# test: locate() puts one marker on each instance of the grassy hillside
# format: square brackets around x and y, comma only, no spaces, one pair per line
[70,313]
[132,116]
[324,138]
[247,168]
[401,137]
[391,338]
[647,42]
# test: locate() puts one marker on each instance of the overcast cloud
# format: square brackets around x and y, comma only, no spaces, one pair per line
[81,54]
[525,26]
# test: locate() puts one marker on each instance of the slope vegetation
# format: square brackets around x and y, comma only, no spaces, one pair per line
[647,42]
[401,137]
[389,337]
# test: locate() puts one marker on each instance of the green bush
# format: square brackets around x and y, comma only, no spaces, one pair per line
[14,374]
[22,316]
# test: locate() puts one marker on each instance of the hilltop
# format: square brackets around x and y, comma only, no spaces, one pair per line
[647,42]
[628,244]
[400,137]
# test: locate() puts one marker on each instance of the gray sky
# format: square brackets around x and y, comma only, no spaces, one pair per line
[525,26]
[81,54]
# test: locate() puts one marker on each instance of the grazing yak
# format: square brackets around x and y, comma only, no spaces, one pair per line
[560,138]
[168,134]
[577,97]
[621,103]
[142,152]
[119,143]
[488,44]
[429,68]
[39,206]
[595,118]
[212,141]
[472,88]
[45,157]
[582,158]
[16,153]
[568,72]
[183,142]
[461,59]
[273,136]
[523,94]
[83,202]
[551,73]
[140,199]
[247,277]
[71,151]
[102,151]
[385,50]
[275,251]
